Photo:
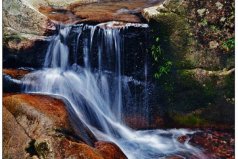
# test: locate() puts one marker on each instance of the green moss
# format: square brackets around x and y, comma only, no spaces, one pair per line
[229,44]
[13,37]
[42,149]
[204,22]
[175,35]
[189,120]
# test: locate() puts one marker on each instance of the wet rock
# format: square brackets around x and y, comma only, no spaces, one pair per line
[12,79]
[139,122]
[193,37]
[216,143]
[182,139]
[125,11]
[44,120]
[136,122]
[30,57]
[109,150]
[42,129]
[11,84]
[16,73]
[31,107]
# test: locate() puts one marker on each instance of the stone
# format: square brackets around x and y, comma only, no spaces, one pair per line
[42,129]
[202,11]
[41,117]
[219,5]
[23,25]
[15,73]
[222,19]
[182,139]
[109,150]
[213,44]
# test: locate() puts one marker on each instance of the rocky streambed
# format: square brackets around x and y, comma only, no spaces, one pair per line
[38,126]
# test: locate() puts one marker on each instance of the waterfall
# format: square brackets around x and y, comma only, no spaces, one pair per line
[99,91]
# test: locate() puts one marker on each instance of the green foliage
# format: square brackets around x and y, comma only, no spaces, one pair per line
[164,69]
[229,44]
[13,37]
[204,22]
[162,62]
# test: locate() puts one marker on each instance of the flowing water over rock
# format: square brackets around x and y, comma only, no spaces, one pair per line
[84,64]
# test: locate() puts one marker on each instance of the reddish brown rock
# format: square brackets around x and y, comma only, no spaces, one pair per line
[38,126]
[40,109]
[136,122]
[70,149]
[109,150]
[182,139]
[43,119]
[97,12]
[15,140]
[139,122]
[216,144]
[15,73]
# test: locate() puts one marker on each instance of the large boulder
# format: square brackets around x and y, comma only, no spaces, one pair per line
[193,35]
[42,129]
[25,31]
[23,25]
[194,54]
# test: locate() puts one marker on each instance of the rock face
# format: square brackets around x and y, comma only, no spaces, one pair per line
[199,33]
[15,141]
[25,31]
[196,73]
[42,130]
[23,25]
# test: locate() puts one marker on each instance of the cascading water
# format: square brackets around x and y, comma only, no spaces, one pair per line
[98,93]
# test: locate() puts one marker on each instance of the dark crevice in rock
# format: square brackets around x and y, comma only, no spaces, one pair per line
[31,150]
[69,135]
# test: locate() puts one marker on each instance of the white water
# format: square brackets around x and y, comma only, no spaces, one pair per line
[97,95]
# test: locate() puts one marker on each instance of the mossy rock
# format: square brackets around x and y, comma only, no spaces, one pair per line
[189,120]
[194,41]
